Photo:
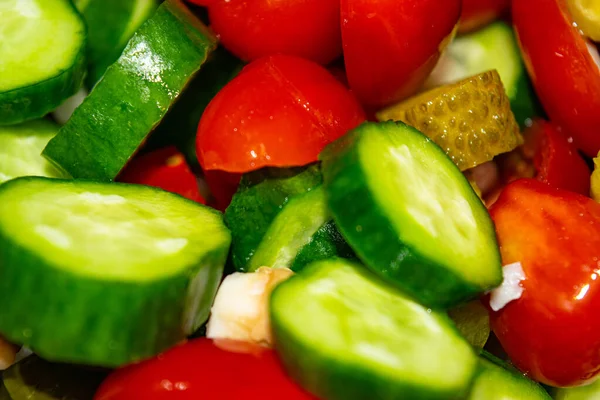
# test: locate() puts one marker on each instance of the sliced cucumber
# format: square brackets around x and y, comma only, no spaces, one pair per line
[42,57]
[493,47]
[498,381]
[588,392]
[344,334]
[134,95]
[104,274]
[410,214]
[36,379]
[20,149]
[279,218]
[111,23]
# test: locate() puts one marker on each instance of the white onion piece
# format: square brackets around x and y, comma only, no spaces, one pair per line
[510,289]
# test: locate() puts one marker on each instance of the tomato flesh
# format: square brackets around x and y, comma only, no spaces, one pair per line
[166,169]
[280,111]
[551,332]
[258,28]
[563,72]
[204,369]
[478,13]
[391,46]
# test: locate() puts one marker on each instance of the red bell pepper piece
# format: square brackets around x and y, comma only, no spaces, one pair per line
[552,332]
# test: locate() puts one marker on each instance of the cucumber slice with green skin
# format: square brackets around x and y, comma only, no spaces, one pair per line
[342,333]
[105,274]
[588,392]
[279,218]
[410,214]
[37,379]
[111,23]
[180,125]
[134,95]
[42,57]
[493,47]
[498,381]
[20,149]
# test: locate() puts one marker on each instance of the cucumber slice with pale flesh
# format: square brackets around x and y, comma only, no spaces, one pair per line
[342,333]
[37,379]
[111,23]
[133,96]
[498,381]
[279,218]
[21,147]
[104,274]
[42,57]
[410,215]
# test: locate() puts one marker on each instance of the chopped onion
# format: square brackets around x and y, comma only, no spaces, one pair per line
[510,289]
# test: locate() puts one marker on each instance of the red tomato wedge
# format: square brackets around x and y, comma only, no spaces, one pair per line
[166,169]
[552,332]
[204,369]
[280,111]
[563,72]
[222,186]
[391,46]
[557,161]
[478,13]
[258,28]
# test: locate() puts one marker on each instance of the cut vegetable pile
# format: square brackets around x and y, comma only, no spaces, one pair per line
[300,200]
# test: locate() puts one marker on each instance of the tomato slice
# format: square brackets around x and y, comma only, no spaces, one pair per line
[279,111]
[391,46]
[557,161]
[258,28]
[563,72]
[552,332]
[478,13]
[166,169]
[204,369]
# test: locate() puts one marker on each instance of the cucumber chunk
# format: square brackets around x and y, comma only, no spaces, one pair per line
[493,47]
[588,392]
[279,218]
[37,379]
[42,57]
[105,274]
[410,214]
[134,95]
[20,149]
[498,381]
[111,23]
[342,333]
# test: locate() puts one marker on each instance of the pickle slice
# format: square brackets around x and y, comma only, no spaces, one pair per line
[586,14]
[470,120]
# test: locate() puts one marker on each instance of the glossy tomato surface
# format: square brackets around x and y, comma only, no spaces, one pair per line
[280,111]
[258,28]
[563,72]
[478,13]
[553,331]
[166,169]
[204,369]
[391,46]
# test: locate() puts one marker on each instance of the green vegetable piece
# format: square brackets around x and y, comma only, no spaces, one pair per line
[134,95]
[473,321]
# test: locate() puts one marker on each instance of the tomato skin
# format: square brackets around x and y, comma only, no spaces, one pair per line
[280,111]
[557,161]
[478,13]
[552,332]
[166,169]
[204,369]
[563,72]
[258,28]
[222,186]
[391,46]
